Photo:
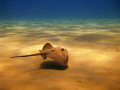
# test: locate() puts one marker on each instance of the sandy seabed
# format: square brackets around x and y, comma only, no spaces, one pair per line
[93,47]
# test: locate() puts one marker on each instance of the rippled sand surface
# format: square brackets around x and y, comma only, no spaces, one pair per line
[94,55]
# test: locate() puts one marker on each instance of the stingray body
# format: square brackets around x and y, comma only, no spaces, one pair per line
[58,54]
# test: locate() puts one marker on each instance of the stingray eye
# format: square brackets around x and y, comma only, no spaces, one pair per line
[62,49]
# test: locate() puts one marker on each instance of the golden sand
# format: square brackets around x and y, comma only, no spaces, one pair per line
[94,58]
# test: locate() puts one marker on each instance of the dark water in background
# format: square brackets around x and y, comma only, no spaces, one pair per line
[59,9]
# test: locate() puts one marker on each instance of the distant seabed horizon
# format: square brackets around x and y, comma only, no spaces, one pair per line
[57,30]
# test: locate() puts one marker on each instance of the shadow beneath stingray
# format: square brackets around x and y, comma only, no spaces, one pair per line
[48,65]
[53,65]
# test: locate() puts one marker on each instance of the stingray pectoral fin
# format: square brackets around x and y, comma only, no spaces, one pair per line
[43,56]
[47,46]
[27,55]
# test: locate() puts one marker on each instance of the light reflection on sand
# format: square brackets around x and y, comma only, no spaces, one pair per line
[94,54]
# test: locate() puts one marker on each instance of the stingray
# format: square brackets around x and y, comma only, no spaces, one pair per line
[58,54]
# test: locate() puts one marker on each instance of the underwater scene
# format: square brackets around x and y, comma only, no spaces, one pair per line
[90,36]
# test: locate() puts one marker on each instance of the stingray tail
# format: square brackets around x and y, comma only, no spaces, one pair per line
[28,55]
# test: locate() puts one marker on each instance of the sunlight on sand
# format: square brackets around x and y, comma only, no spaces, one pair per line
[94,55]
